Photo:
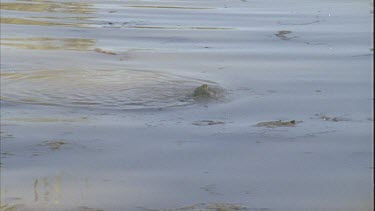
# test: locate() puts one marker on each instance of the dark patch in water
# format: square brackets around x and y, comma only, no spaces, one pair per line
[208,123]
[283,35]
[54,145]
[279,123]
[207,93]
[104,51]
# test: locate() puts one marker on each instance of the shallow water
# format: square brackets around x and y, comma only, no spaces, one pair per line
[110,89]
[97,111]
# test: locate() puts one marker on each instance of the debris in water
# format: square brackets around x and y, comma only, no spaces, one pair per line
[279,123]
[332,119]
[54,144]
[205,92]
[225,207]
[283,35]
[208,123]
[202,91]
[104,51]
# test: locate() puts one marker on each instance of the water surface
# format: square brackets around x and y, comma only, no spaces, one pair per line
[97,110]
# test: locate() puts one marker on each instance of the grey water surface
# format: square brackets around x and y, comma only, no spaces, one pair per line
[98,110]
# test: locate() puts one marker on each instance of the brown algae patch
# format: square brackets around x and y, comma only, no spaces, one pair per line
[279,123]
[48,43]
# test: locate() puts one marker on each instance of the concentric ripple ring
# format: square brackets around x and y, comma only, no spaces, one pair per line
[108,89]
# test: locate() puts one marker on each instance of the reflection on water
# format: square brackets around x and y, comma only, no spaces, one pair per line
[47,43]
[23,21]
[48,190]
[36,195]
[113,89]
[10,207]
[58,9]
[50,193]
[81,20]
[49,6]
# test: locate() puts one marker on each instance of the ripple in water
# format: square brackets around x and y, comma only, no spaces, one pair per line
[108,89]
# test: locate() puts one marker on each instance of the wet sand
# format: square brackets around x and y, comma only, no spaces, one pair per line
[98,109]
